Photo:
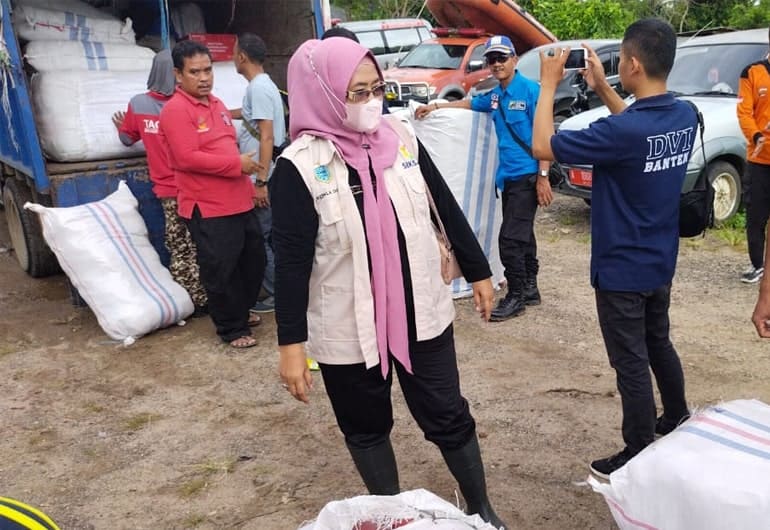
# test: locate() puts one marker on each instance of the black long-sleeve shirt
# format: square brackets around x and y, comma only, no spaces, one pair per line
[295,227]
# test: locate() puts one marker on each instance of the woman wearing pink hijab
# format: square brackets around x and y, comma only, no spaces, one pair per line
[358,275]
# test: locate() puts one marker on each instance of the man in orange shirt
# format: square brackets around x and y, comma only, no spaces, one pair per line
[754,117]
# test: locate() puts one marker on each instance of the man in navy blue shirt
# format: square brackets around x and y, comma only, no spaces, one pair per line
[639,156]
[522,179]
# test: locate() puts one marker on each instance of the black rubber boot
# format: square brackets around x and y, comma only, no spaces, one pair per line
[512,305]
[377,466]
[531,292]
[466,467]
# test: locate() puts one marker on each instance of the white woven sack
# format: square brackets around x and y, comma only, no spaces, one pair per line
[57,23]
[48,56]
[711,473]
[73,113]
[411,510]
[104,250]
[77,7]
[73,110]
[463,145]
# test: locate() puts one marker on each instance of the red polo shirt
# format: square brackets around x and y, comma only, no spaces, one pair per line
[141,123]
[203,153]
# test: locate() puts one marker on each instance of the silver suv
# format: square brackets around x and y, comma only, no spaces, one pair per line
[706,71]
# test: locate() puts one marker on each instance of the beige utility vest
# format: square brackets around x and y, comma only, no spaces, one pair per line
[340,314]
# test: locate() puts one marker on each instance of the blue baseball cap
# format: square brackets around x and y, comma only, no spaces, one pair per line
[500,44]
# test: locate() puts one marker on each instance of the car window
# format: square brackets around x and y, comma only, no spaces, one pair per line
[606,59]
[712,68]
[434,55]
[424,33]
[529,65]
[372,40]
[402,39]
[477,54]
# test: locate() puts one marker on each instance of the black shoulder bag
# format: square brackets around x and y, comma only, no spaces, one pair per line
[554,172]
[696,207]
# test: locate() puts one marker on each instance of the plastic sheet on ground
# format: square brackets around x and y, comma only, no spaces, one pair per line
[410,510]
[463,145]
[104,250]
[711,473]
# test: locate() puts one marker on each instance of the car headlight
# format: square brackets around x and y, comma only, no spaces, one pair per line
[420,91]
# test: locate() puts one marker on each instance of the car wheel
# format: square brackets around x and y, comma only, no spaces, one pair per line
[558,120]
[726,182]
[30,248]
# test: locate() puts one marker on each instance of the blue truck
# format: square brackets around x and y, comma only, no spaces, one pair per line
[27,175]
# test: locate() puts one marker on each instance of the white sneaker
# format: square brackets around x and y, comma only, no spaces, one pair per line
[752,275]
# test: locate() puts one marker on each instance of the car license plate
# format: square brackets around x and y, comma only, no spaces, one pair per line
[580,177]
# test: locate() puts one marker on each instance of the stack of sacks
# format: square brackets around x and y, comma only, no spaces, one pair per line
[59,20]
[81,81]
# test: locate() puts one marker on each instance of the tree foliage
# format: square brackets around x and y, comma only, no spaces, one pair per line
[582,19]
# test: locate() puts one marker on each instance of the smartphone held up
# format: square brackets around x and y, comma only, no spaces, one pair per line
[577,59]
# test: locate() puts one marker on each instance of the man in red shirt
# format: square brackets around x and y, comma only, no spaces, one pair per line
[140,122]
[215,193]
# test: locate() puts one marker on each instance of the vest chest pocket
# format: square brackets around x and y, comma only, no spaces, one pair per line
[332,232]
[416,189]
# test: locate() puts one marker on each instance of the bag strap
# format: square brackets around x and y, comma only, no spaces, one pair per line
[515,136]
[250,129]
[410,139]
[701,128]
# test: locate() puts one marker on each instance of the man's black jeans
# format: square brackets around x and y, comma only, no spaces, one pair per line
[518,247]
[635,327]
[756,198]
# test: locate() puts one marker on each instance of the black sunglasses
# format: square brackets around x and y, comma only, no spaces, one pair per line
[494,58]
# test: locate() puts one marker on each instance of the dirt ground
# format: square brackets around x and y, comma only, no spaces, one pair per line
[179,431]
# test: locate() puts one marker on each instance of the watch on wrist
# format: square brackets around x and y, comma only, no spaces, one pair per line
[543,173]
[260,183]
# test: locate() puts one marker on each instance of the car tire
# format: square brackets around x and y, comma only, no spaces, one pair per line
[558,120]
[31,251]
[454,96]
[726,181]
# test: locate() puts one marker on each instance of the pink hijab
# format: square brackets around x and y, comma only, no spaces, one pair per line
[318,77]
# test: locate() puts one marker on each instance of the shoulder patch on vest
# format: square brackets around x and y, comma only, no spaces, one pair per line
[322,174]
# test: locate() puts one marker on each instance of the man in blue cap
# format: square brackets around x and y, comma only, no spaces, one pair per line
[522,179]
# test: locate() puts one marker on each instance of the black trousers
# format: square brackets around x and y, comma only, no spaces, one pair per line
[361,398]
[231,258]
[635,327]
[756,198]
[518,247]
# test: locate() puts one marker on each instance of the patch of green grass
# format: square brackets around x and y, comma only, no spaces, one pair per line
[202,475]
[584,238]
[139,421]
[94,408]
[194,520]
[193,486]
[568,219]
[733,230]
[211,467]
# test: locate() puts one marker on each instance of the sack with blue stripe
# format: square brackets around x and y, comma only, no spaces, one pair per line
[711,473]
[15,515]
[103,248]
[61,20]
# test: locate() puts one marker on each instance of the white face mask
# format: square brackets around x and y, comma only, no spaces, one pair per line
[363,117]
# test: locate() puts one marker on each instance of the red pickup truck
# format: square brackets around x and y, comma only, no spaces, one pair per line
[446,67]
